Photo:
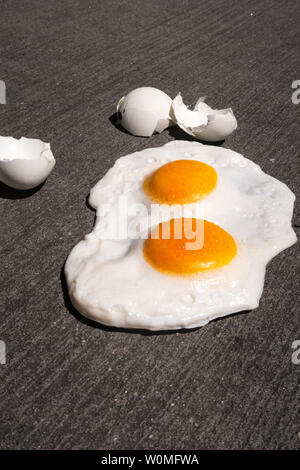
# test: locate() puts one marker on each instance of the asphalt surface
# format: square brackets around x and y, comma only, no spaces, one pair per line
[67,383]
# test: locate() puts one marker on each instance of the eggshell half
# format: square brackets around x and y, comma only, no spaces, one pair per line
[24,163]
[203,122]
[144,111]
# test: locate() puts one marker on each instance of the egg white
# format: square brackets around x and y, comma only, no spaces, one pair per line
[109,280]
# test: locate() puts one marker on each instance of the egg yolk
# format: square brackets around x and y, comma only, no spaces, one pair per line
[169,247]
[181,182]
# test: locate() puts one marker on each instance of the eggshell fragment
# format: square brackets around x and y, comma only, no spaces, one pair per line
[24,163]
[203,122]
[144,111]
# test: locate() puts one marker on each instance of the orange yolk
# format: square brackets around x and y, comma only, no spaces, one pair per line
[188,246]
[181,182]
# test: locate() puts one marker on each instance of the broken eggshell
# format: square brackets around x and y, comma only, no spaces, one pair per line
[24,163]
[203,122]
[144,111]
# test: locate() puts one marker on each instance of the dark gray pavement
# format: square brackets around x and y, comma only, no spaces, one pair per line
[69,384]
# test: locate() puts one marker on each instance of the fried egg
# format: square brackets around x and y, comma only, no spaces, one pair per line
[182,236]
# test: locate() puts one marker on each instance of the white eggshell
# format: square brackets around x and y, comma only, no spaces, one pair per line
[144,111]
[204,123]
[24,163]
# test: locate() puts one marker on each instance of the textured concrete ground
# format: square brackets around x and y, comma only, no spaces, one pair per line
[68,383]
